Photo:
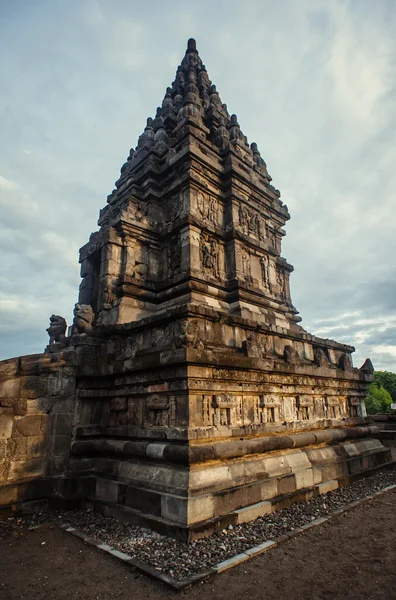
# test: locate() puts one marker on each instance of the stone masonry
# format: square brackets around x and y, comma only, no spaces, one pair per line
[187,391]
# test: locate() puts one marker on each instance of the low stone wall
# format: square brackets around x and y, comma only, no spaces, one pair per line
[37,395]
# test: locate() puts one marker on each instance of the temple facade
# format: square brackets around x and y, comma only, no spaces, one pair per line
[195,398]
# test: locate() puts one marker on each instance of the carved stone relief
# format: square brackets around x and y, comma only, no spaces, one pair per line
[160,411]
[227,410]
[354,406]
[305,406]
[256,345]
[280,280]
[270,409]
[187,334]
[209,254]
[333,407]
[108,297]
[173,257]
[265,277]
[246,265]
[208,208]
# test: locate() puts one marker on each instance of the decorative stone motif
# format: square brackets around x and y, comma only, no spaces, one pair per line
[227,410]
[209,251]
[291,355]
[57,329]
[83,318]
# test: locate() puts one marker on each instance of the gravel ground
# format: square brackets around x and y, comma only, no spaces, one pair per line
[180,560]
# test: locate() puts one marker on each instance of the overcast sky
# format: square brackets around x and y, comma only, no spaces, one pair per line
[312,82]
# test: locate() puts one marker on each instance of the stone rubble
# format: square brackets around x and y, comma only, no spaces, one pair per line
[180,560]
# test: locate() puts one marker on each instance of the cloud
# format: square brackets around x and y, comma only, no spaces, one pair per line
[313,83]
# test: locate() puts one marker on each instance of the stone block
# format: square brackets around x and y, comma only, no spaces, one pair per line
[63,404]
[10,388]
[200,509]
[249,513]
[8,495]
[8,368]
[38,406]
[208,480]
[107,490]
[4,465]
[60,445]
[63,424]
[333,471]
[286,485]
[143,500]
[22,470]
[298,461]
[269,489]
[27,426]
[174,508]
[33,387]
[304,479]
[6,425]
[327,486]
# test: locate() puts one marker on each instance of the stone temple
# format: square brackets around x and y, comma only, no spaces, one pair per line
[186,396]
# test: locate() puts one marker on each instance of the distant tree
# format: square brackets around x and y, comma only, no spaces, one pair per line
[378,400]
[387,380]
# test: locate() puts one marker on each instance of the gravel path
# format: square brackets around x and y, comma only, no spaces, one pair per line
[180,560]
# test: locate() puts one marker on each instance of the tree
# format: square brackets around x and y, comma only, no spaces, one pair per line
[378,400]
[387,380]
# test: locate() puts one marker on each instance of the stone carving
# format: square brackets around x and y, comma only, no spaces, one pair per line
[140,271]
[108,297]
[83,318]
[246,265]
[187,335]
[345,362]
[305,405]
[208,208]
[160,411]
[270,409]
[320,357]
[291,355]
[209,250]
[333,407]
[264,264]
[354,405]
[280,280]
[256,345]
[227,410]
[57,329]
[173,257]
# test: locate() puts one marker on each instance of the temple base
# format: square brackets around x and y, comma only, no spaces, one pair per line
[191,503]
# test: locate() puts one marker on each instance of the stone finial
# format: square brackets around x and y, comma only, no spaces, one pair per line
[167,101]
[56,329]
[161,138]
[367,367]
[235,130]
[221,138]
[191,45]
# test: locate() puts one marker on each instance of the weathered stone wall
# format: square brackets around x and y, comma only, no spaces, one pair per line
[36,417]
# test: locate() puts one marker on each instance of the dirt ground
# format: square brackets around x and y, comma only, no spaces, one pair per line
[353,557]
